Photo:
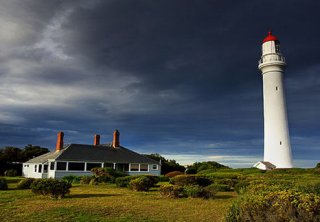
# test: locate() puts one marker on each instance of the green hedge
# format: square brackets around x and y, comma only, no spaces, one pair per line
[185,180]
[124,181]
[51,187]
[193,191]
[141,184]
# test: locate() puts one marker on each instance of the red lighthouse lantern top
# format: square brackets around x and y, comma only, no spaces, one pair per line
[270,37]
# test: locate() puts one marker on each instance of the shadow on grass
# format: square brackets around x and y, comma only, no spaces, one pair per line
[91,195]
[224,196]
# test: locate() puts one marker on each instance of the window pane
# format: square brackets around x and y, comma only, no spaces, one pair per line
[143,167]
[52,166]
[40,168]
[35,168]
[124,167]
[109,165]
[134,167]
[61,165]
[92,165]
[76,166]
[154,167]
[45,168]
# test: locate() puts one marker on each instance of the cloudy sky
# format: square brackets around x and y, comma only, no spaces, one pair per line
[176,77]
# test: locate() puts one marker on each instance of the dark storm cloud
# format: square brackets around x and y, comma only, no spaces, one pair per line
[176,77]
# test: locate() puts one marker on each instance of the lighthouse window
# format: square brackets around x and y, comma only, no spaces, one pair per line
[280,143]
[277,88]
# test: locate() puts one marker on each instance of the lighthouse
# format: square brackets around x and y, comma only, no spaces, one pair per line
[277,148]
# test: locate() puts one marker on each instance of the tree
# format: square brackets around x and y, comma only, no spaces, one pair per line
[318,165]
[30,152]
[199,166]
[12,157]
[166,165]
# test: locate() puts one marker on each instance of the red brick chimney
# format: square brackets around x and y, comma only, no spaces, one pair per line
[116,141]
[59,145]
[96,140]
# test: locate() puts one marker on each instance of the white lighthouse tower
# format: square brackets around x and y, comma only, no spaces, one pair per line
[277,148]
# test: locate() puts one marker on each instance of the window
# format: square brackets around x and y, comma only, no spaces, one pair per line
[123,167]
[134,167]
[40,168]
[92,165]
[154,167]
[51,165]
[109,165]
[277,88]
[76,166]
[280,143]
[35,168]
[61,165]
[144,167]
[45,168]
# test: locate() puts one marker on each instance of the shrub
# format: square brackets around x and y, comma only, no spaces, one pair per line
[287,205]
[318,165]
[25,183]
[140,184]
[107,174]
[94,181]
[124,181]
[85,179]
[72,179]
[221,187]
[51,187]
[241,187]
[164,178]
[172,191]
[191,171]
[310,188]
[193,191]
[210,191]
[184,180]
[11,173]
[174,173]
[3,184]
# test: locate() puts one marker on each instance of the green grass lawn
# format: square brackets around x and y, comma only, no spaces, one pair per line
[109,203]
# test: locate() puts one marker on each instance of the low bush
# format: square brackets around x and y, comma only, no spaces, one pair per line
[140,184]
[193,191]
[124,181]
[85,179]
[210,191]
[72,179]
[174,173]
[94,181]
[185,180]
[241,187]
[164,178]
[3,184]
[171,191]
[286,205]
[310,188]
[222,187]
[107,174]
[25,183]
[51,187]
[191,171]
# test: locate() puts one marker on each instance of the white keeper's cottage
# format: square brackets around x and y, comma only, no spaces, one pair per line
[79,159]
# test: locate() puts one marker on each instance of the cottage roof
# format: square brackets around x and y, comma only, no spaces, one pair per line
[90,153]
